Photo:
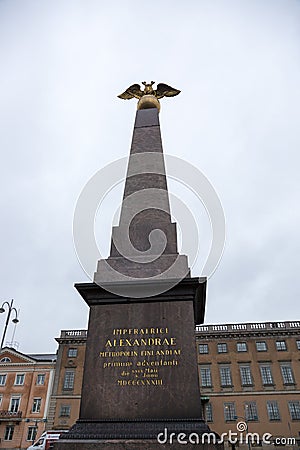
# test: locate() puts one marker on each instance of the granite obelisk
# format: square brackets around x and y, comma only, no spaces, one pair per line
[140,376]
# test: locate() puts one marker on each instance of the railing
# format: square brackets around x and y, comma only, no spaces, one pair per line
[236,327]
[73,333]
[11,415]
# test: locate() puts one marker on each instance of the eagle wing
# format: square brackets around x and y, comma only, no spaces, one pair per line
[164,90]
[131,92]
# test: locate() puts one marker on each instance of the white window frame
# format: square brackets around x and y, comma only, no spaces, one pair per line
[266,375]
[294,408]
[273,410]
[281,345]
[245,369]
[202,347]
[65,410]
[241,347]
[205,376]
[69,383]
[225,376]
[36,405]
[222,347]
[31,433]
[208,412]
[263,344]
[43,375]
[3,377]
[12,399]
[22,376]
[287,373]
[251,413]
[6,359]
[10,429]
[229,411]
[72,350]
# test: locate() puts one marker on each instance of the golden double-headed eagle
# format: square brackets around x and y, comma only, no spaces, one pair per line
[148,98]
[163,90]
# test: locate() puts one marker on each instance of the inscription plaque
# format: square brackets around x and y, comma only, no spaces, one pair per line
[143,352]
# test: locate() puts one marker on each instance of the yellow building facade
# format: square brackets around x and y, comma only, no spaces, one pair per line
[25,389]
[250,373]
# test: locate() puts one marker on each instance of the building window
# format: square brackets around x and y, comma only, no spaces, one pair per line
[229,411]
[246,377]
[65,411]
[9,432]
[3,377]
[298,345]
[281,346]
[69,380]
[208,412]
[205,375]
[225,375]
[31,433]
[222,348]
[287,374]
[14,403]
[273,410]
[72,352]
[20,377]
[36,405]
[5,360]
[261,346]
[40,379]
[294,408]
[266,375]
[241,346]
[251,411]
[203,348]
[1,398]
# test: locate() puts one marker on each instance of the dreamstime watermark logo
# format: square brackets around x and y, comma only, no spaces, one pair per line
[241,426]
[240,436]
[110,176]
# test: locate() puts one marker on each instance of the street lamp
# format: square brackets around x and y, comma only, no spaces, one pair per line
[15,320]
[36,422]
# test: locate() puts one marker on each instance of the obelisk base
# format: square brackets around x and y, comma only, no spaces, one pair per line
[140,386]
[138,434]
[130,445]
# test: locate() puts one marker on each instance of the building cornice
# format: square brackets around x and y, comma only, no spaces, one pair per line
[66,397]
[251,393]
[34,366]
[72,337]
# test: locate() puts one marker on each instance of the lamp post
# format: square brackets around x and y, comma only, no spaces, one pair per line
[36,422]
[10,310]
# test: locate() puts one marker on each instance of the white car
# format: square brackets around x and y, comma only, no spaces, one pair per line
[45,440]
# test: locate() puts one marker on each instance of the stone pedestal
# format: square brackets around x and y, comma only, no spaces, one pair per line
[140,376]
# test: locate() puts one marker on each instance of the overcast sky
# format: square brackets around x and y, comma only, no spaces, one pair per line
[63,62]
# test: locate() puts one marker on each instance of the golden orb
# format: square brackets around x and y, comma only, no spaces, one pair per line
[147,102]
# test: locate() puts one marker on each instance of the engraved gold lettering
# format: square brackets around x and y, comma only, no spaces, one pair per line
[140,382]
[127,353]
[107,365]
[143,331]
[158,342]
